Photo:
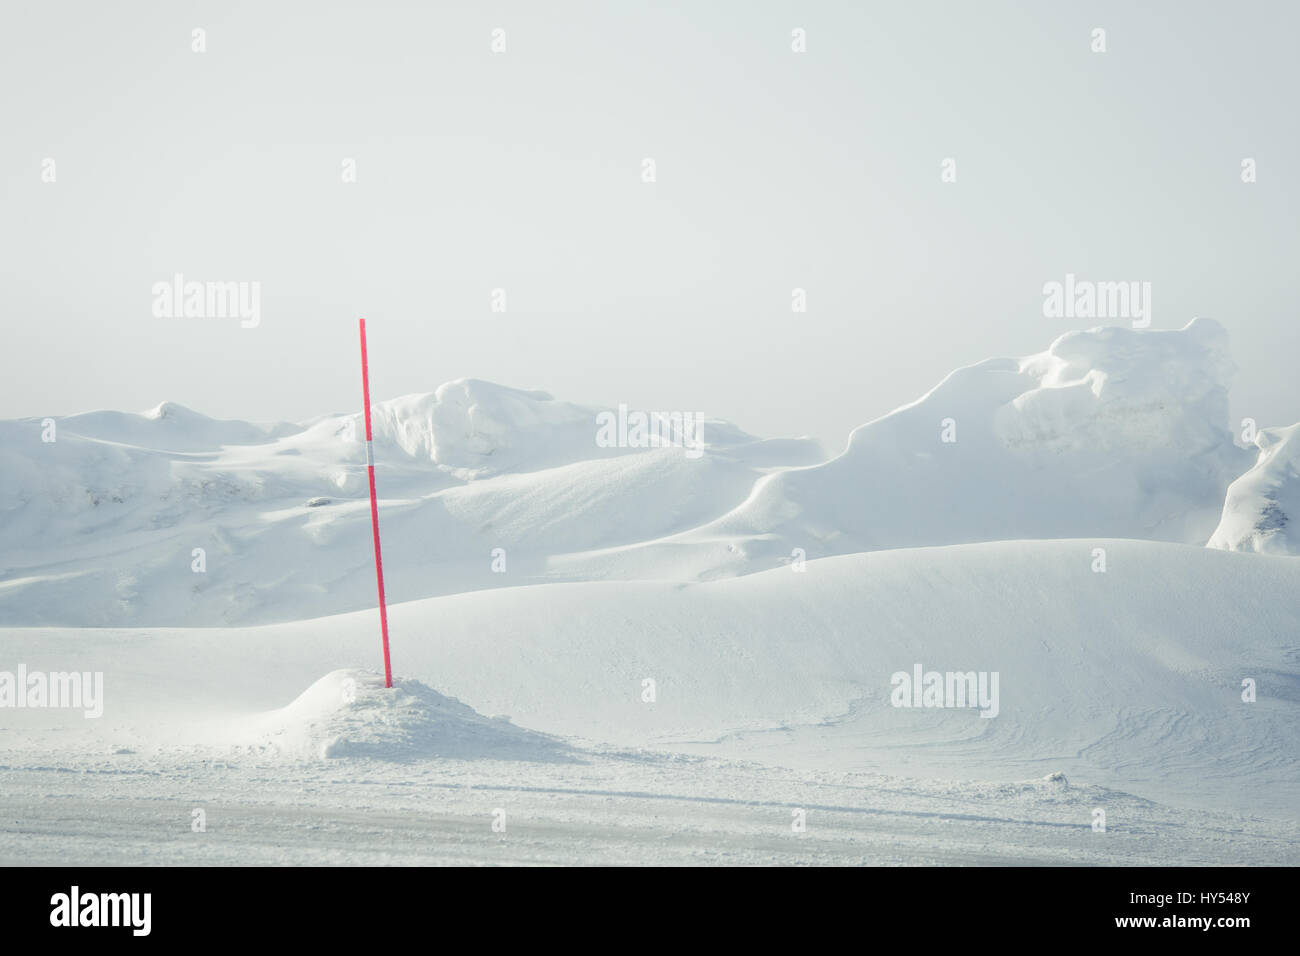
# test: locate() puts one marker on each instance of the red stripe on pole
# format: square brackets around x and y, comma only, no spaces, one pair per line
[374,510]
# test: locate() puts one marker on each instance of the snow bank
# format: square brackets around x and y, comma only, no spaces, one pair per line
[1262,505]
[1112,432]
[104,525]
[475,429]
[1131,678]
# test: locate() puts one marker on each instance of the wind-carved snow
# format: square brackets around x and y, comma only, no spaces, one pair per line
[1262,506]
[1149,674]
[1111,432]
[463,471]
[475,429]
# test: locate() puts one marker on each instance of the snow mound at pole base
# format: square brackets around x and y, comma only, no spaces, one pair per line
[351,714]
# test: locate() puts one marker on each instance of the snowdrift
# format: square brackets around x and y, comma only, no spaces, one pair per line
[1112,432]
[101,526]
[1130,679]
[1262,505]
[172,518]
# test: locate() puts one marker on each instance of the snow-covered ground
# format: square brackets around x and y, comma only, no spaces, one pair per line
[612,808]
[640,655]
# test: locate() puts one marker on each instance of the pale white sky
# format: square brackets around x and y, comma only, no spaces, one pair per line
[522,170]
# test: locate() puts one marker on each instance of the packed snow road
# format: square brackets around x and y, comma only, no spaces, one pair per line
[612,808]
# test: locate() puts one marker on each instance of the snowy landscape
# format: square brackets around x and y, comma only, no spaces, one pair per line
[707,648]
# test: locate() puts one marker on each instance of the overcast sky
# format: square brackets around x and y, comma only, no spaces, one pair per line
[523,170]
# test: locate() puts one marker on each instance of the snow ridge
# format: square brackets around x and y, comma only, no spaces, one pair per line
[1259,513]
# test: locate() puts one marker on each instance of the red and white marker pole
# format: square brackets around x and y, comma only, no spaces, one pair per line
[374,510]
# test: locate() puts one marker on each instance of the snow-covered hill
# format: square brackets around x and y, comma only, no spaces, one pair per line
[621,645]
[1129,679]
[1110,432]
[101,525]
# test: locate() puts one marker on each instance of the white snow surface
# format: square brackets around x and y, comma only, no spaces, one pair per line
[351,713]
[1111,432]
[680,653]
[100,526]
[1263,505]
